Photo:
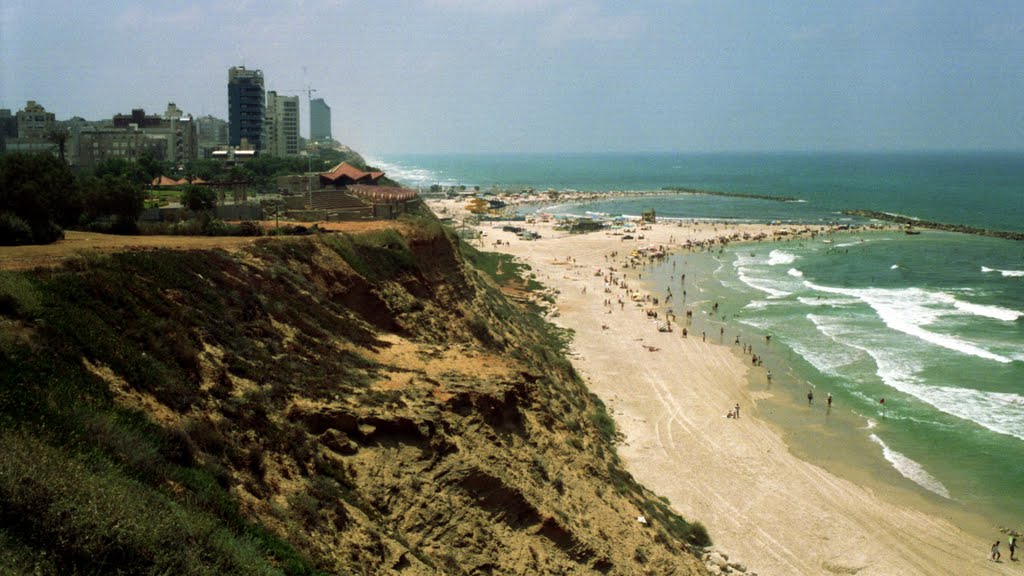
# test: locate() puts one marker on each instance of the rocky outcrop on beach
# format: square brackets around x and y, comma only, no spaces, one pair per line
[717,562]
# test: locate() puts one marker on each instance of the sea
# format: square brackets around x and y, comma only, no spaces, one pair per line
[919,339]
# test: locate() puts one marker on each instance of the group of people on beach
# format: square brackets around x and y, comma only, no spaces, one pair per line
[755,360]
[994,554]
[613,274]
[810,399]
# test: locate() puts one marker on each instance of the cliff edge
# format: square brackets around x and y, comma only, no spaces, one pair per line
[343,403]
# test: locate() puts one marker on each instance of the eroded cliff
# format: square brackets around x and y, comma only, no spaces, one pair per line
[351,404]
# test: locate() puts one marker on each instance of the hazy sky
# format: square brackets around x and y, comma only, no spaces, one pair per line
[549,75]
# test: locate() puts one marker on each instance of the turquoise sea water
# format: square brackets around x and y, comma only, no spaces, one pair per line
[976,189]
[933,323]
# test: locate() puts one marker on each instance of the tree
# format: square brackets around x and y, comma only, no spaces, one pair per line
[207,169]
[199,198]
[40,191]
[151,166]
[115,196]
[478,206]
[122,167]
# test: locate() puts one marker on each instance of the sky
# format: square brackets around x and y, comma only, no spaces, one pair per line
[523,76]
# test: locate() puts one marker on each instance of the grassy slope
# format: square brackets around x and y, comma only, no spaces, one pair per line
[206,413]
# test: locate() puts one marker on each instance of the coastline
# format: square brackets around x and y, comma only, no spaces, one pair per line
[764,505]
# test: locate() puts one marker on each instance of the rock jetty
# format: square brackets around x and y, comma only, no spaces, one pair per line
[907,221]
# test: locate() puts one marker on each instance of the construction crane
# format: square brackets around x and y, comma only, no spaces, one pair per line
[307,91]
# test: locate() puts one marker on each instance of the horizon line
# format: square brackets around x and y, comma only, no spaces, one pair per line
[693,151]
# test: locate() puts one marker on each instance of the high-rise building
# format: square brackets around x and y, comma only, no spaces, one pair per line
[281,125]
[245,107]
[213,134]
[34,121]
[319,120]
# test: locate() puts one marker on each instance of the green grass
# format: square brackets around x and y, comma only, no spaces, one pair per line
[502,268]
[164,196]
[84,514]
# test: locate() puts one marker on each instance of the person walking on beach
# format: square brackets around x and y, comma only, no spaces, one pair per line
[737,410]
[810,397]
[828,400]
[994,555]
[1013,548]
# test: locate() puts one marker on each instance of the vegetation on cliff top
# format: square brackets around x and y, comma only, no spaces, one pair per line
[332,404]
[40,195]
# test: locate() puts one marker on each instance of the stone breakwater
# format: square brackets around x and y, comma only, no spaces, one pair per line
[731,194]
[905,220]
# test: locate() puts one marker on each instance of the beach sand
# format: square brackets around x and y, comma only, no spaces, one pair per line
[669,395]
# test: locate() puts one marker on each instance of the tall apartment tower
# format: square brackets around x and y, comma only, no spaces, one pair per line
[281,125]
[245,106]
[212,132]
[319,120]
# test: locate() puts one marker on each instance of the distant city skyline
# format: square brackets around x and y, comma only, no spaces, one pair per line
[548,75]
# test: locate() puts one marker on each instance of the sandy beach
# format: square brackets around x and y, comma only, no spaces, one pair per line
[669,394]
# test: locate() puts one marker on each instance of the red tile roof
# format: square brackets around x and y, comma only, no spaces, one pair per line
[344,173]
[165,181]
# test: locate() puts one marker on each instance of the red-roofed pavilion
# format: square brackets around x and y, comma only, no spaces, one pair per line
[344,174]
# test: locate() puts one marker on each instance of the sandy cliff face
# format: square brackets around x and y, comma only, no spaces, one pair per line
[372,401]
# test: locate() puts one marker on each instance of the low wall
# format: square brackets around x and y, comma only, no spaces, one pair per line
[223,212]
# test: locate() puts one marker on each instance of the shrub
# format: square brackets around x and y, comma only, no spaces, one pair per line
[697,535]
[13,230]
[198,198]
[18,296]
[481,331]
[604,423]
[305,507]
[250,228]
[214,227]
